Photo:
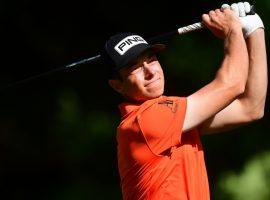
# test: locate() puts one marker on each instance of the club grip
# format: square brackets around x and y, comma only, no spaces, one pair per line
[199,25]
[252,10]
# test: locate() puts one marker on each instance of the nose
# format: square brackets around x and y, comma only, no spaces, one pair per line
[149,72]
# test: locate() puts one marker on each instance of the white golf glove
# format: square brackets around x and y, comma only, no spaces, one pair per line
[250,23]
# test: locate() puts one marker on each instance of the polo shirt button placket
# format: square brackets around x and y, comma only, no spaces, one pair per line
[171,152]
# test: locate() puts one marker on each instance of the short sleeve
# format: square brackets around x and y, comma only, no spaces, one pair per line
[161,123]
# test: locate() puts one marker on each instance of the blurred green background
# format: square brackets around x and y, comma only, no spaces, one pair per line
[57,133]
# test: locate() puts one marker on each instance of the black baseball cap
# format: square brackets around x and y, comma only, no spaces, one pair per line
[123,48]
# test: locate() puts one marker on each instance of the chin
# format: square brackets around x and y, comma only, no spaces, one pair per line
[155,92]
[144,95]
[153,95]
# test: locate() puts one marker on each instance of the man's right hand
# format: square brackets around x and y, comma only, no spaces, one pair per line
[222,23]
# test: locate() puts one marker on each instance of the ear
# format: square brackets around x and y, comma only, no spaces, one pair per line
[116,84]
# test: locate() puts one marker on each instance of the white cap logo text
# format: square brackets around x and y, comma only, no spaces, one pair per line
[124,45]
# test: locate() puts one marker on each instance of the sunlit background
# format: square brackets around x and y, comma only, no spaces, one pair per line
[57,133]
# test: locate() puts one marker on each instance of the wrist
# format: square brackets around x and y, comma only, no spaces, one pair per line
[258,33]
[250,24]
[234,41]
[235,31]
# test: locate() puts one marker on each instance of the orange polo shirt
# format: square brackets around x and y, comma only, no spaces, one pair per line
[156,160]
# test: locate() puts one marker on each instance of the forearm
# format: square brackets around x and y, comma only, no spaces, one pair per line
[227,85]
[256,88]
[234,68]
[231,78]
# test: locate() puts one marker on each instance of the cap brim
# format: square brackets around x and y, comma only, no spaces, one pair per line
[155,48]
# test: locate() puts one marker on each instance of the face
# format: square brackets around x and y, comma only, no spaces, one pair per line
[142,81]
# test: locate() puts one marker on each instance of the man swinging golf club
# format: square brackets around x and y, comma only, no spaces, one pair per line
[160,155]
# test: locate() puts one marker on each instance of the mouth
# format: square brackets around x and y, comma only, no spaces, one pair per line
[153,82]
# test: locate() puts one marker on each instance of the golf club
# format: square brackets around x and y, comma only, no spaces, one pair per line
[180,31]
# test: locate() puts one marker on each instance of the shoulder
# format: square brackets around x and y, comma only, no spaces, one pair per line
[163,112]
[154,108]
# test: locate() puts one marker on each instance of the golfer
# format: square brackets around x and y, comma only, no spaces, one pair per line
[160,156]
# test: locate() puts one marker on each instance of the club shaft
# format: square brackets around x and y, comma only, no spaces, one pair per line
[87,60]
[69,66]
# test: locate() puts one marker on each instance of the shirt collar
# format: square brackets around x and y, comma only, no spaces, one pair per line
[127,107]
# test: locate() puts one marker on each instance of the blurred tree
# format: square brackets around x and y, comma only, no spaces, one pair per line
[251,183]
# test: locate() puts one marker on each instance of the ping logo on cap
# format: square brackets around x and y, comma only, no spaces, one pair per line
[124,45]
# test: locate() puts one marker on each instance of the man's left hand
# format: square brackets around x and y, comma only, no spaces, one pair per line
[250,23]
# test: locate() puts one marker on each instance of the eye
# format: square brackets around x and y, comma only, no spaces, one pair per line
[136,68]
[152,59]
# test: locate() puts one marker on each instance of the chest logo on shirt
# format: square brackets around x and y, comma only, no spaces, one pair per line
[170,104]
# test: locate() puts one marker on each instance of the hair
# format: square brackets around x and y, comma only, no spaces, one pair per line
[114,74]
